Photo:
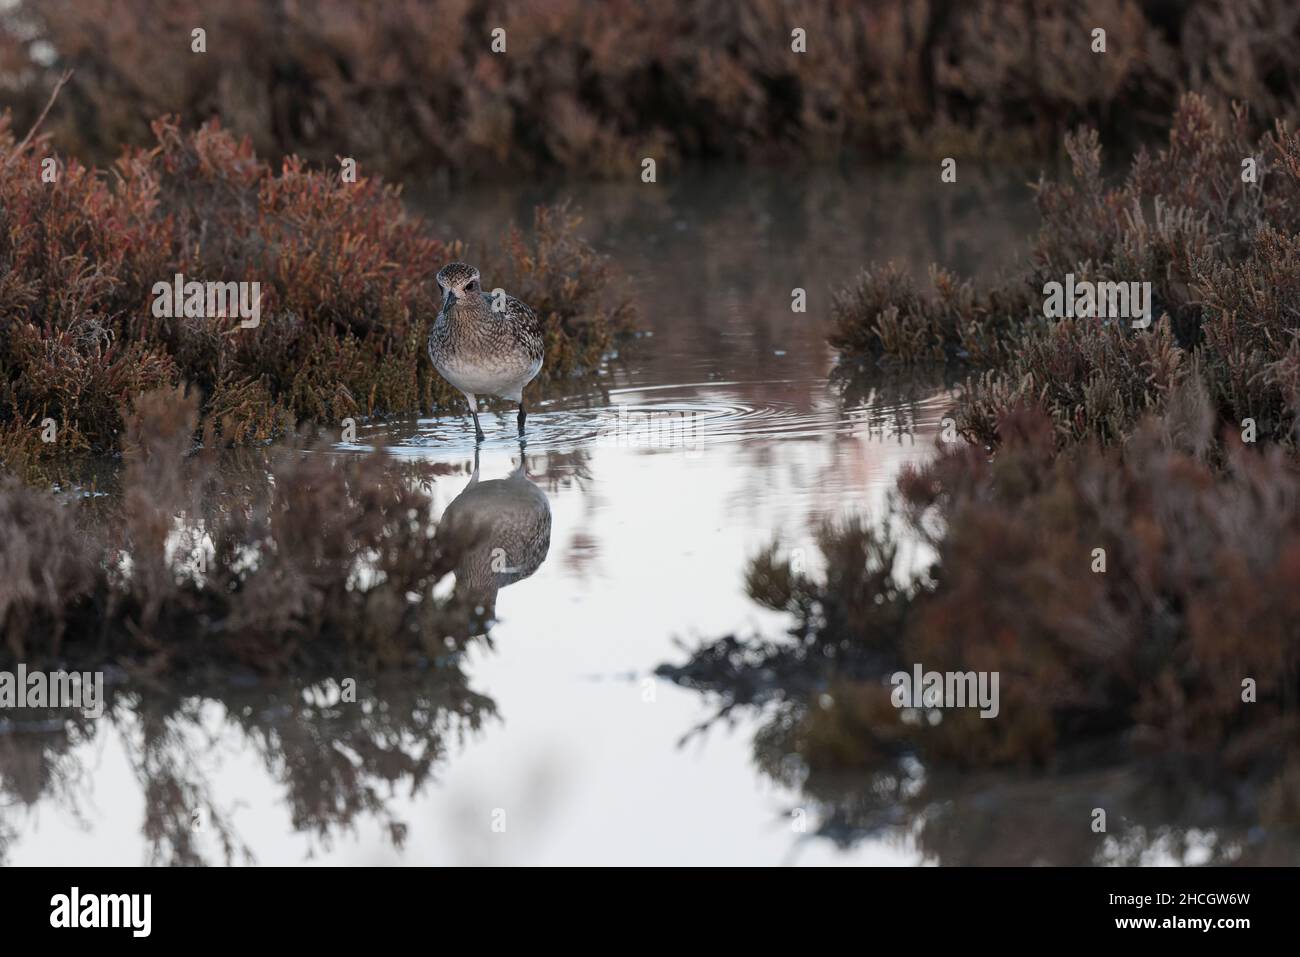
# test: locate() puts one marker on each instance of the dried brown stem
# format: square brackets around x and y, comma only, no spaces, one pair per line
[54,95]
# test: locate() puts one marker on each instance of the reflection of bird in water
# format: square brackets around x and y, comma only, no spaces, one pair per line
[508,522]
[484,344]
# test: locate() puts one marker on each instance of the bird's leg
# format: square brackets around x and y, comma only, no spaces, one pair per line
[473,410]
[522,415]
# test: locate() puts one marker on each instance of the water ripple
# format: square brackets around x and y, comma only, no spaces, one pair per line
[656,418]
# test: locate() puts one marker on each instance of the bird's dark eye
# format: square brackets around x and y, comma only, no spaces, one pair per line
[472,285]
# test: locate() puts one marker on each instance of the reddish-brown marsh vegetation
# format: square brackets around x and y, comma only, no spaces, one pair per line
[1116,532]
[305,562]
[677,79]
[1219,251]
[347,286]
[1163,688]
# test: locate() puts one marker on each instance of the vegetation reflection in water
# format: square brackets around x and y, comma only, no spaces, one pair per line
[748,403]
[1114,538]
[337,748]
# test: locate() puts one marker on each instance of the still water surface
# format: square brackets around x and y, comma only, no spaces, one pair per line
[712,434]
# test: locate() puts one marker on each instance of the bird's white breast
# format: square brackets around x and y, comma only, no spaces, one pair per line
[500,378]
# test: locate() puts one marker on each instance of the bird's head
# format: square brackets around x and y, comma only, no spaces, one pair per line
[457,280]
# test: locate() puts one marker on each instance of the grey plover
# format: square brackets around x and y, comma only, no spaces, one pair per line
[484,344]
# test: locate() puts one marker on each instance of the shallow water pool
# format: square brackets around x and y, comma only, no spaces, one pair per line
[716,432]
